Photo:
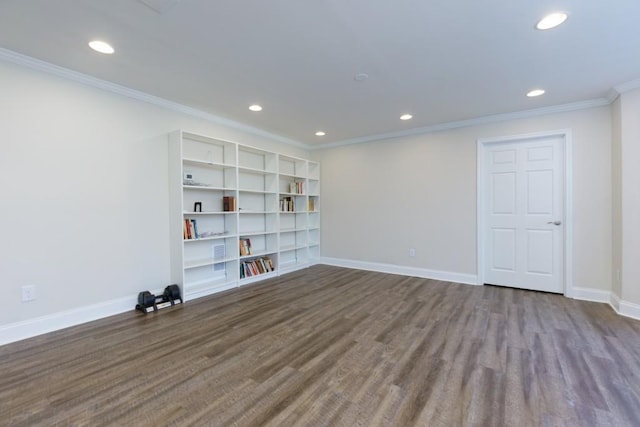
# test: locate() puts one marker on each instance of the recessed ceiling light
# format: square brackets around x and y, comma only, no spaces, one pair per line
[102,47]
[551,21]
[255,107]
[360,77]
[535,92]
[320,133]
[406,117]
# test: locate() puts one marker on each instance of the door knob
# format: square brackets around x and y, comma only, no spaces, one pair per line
[555,222]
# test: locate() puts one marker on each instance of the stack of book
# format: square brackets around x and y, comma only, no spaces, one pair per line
[286,204]
[189,229]
[255,267]
[296,187]
[229,204]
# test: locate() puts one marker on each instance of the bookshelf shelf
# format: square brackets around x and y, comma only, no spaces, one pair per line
[208,213]
[259,277]
[209,238]
[292,248]
[205,188]
[247,190]
[244,212]
[256,233]
[257,254]
[222,193]
[205,262]
[255,171]
[204,163]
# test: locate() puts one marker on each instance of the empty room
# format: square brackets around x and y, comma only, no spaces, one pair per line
[328,213]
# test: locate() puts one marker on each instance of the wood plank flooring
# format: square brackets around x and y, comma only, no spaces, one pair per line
[329,346]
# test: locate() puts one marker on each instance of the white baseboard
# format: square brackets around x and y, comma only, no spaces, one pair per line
[41,325]
[467,279]
[587,294]
[621,307]
[629,309]
[624,308]
[52,322]
[614,302]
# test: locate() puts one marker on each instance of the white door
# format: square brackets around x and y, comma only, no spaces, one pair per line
[523,219]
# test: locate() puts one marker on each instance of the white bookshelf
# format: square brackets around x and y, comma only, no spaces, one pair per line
[204,170]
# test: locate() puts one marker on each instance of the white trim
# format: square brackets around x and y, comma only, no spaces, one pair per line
[567,136]
[629,309]
[94,82]
[41,325]
[612,95]
[624,308]
[88,80]
[199,293]
[582,105]
[64,319]
[627,86]
[467,279]
[614,302]
[593,295]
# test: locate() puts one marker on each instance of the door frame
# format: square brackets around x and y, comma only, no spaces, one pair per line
[482,148]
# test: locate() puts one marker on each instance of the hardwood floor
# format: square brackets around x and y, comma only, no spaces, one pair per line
[335,347]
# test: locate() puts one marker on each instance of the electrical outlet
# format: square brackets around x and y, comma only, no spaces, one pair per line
[412,252]
[28,293]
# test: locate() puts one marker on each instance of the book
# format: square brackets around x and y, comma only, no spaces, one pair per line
[189,229]
[229,204]
[245,247]
[194,228]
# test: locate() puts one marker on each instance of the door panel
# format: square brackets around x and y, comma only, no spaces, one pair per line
[540,192]
[504,242]
[504,193]
[523,214]
[540,259]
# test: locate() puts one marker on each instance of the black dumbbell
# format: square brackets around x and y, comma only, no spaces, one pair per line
[146,302]
[172,293]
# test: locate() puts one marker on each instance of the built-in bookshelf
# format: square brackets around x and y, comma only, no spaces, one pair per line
[239,214]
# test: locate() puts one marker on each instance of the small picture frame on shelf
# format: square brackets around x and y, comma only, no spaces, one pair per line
[197,207]
[188,178]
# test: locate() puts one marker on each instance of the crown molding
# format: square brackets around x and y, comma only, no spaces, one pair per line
[97,83]
[582,105]
[627,86]
[85,79]
[612,95]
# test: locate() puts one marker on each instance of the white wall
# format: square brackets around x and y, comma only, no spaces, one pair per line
[616,196]
[380,199]
[630,199]
[83,195]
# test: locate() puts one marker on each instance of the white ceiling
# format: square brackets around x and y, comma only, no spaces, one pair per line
[442,61]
